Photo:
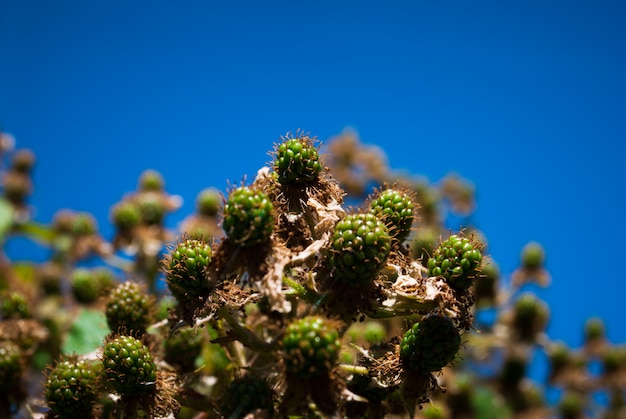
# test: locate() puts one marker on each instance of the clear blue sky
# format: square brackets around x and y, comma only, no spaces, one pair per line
[525,98]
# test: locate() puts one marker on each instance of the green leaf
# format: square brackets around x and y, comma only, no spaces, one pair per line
[6,218]
[87,332]
[40,233]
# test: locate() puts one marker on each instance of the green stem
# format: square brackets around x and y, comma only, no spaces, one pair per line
[354,369]
[242,334]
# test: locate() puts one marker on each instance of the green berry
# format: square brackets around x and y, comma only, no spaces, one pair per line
[185,268]
[209,202]
[182,349]
[84,224]
[125,215]
[297,161]
[10,366]
[248,217]
[151,180]
[594,329]
[458,260]
[86,287]
[533,256]
[311,347]
[530,316]
[359,248]
[430,344]
[396,210]
[128,307]
[13,305]
[245,395]
[151,207]
[71,389]
[128,366]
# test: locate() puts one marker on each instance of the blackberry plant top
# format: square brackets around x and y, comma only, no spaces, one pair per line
[277,300]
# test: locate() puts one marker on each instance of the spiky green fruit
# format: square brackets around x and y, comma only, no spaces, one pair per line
[209,202]
[245,395]
[13,305]
[10,366]
[458,260]
[297,161]
[248,217]
[396,210]
[128,307]
[71,389]
[311,347]
[185,267]
[151,180]
[182,349]
[359,248]
[129,366]
[86,287]
[125,215]
[84,224]
[533,256]
[430,344]
[151,207]
[530,316]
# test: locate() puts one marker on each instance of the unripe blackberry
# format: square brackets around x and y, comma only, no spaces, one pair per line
[150,180]
[533,256]
[71,389]
[182,349]
[10,366]
[209,202]
[125,215]
[396,210]
[458,260]
[128,366]
[185,268]
[13,305]
[430,344]
[311,347]
[84,224]
[297,161]
[151,207]
[248,217]
[594,330]
[245,395]
[86,287]
[128,307]
[359,248]
[530,316]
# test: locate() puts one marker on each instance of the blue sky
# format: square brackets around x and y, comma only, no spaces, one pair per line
[527,99]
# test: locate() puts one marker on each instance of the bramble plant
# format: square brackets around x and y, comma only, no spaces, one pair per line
[276,300]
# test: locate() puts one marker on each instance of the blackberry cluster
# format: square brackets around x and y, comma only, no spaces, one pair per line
[125,215]
[71,389]
[311,347]
[297,161]
[458,260]
[245,395]
[128,307]
[430,344]
[128,366]
[185,268]
[248,217]
[360,246]
[396,210]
